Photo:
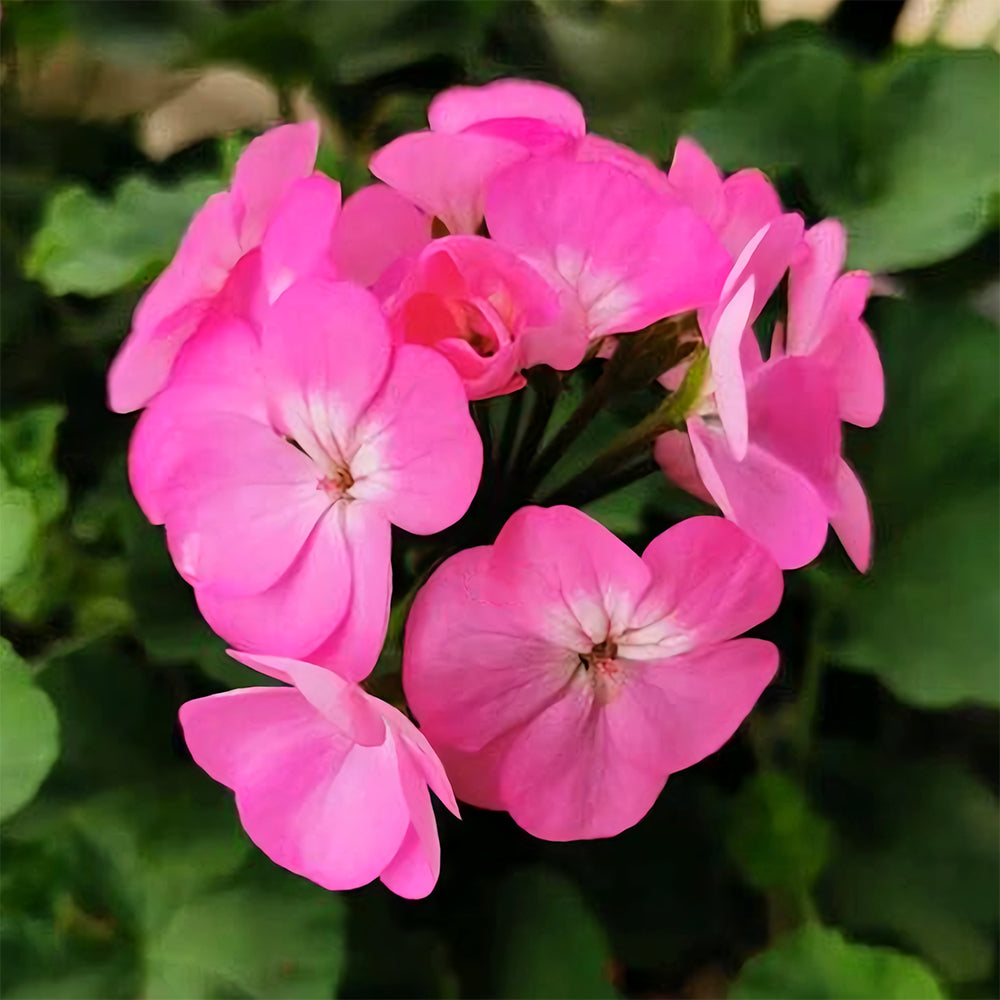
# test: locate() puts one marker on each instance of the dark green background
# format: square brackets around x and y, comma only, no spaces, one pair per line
[844,844]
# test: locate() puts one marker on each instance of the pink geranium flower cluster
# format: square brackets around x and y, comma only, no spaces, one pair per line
[306,369]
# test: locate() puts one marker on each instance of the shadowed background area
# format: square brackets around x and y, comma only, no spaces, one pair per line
[843,844]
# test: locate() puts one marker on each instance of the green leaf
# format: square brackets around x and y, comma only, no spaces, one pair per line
[28,447]
[167,840]
[18,528]
[925,203]
[793,104]
[917,861]
[923,620]
[819,963]
[275,937]
[92,247]
[29,733]
[549,944]
[775,836]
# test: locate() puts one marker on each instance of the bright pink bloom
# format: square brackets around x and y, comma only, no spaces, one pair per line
[824,323]
[489,313]
[622,254]
[278,469]
[561,677]
[378,234]
[330,783]
[275,222]
[474,133]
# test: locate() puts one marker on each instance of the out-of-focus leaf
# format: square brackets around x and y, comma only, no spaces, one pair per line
[28,451]
[925,621]
[917,858]
[614,54]
[93,247]
[775,836]
[939,439]
[18,528]
[167,840]
[929,158]
[818,962]
[794,104]
[548,942]
[272,936]
[29,733]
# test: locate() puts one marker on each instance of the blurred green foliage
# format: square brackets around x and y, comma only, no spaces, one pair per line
[844,844]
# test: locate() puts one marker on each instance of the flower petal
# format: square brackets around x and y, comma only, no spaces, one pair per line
[457,108]
[710,579]
[728,331]
[269,166]
[419,456]
[852,521]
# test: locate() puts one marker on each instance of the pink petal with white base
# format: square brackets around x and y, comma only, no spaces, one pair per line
[326,349]
[630,254]
[239,480]
[709,578]
[418,457]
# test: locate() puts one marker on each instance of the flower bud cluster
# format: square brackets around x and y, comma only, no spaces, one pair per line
[305,369]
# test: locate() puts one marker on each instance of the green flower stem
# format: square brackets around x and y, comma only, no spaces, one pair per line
[607,467]
[587,492]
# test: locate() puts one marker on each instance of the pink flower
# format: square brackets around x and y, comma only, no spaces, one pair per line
[622,254]
[330,783]
[276,221]
[279,467]
[474,133]
[824,323]
[481,307]
[562,678]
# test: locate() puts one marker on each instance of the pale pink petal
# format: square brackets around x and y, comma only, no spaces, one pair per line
[238,482]
[345,705]
[852,521]
[218,371]
[710,579]
[326,350]
[476,662]
[811,278]
[772,502]
[174,306]
[269,166]
[697,180]
[298,242]
[414,871]
[846,346]
[313,801]
[674,455]
[414,745]
[457,108]
[595,148]
[749,202]
[299,611]
[632,255]
[353,647]
[565,777]
[444,174]
[793,415]
[419,456]
[727,371]
[672,713]
[377,227]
